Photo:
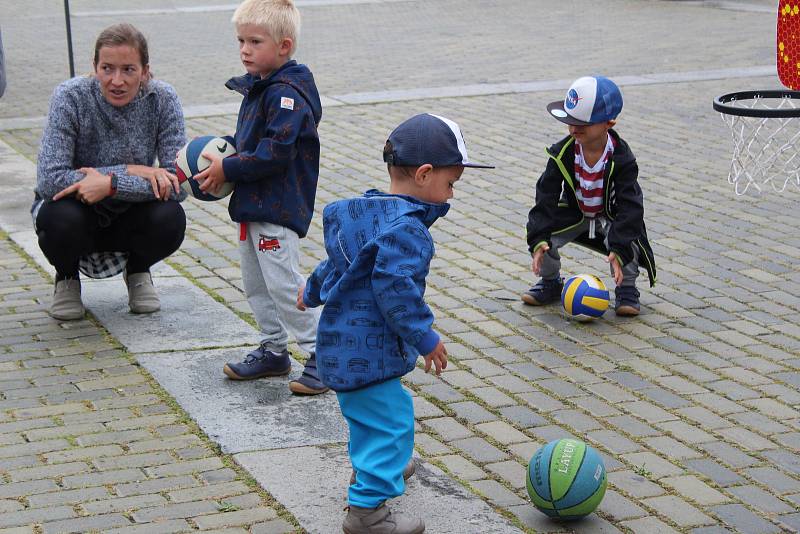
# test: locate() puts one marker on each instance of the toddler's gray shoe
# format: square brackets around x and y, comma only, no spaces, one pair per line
[142,296]
[67,305]
[380,520]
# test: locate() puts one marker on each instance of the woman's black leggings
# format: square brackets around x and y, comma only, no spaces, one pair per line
[147,231]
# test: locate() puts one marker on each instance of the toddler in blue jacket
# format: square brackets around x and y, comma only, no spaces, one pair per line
[375,322]
[275,174]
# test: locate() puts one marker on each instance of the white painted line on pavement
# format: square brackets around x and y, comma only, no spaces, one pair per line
[218,7]
[453,91]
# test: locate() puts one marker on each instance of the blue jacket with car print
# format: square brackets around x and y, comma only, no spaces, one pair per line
[375,322]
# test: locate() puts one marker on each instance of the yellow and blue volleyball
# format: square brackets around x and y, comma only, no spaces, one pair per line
[566,479]
[584,297]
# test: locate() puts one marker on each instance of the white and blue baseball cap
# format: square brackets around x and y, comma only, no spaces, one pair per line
[427,138]
[589,100]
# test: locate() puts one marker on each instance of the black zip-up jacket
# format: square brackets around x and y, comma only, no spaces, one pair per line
[557,208]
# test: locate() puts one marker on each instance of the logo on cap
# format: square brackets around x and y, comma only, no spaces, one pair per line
[572,99]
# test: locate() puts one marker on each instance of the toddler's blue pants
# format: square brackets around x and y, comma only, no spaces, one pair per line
[381,421]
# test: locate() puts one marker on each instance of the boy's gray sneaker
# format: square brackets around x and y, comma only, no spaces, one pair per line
[142,296]
[408,472]
[627,301]
[380,520]
[544,292]
[67,305]
[259,363]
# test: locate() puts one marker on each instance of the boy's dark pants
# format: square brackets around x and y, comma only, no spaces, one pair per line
[551,261]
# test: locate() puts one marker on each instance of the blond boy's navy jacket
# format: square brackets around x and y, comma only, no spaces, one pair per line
[276,168]
[375,322]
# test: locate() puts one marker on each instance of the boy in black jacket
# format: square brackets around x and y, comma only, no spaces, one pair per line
[275,173]
[589,194]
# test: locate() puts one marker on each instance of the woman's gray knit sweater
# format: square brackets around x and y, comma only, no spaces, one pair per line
[84,130]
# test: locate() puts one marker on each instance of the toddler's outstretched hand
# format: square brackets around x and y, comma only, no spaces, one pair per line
[438,356]
[300,304]
[536,264]
[616,267]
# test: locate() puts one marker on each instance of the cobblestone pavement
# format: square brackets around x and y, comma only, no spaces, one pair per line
[380,45]
[88,442]
[695,405]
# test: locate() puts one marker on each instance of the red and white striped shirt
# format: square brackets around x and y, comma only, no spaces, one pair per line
[590,180]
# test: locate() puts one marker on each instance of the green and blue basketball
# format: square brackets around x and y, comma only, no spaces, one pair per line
[566,479]
[584,297]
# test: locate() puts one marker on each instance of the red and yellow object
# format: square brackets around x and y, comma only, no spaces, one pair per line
[788,43]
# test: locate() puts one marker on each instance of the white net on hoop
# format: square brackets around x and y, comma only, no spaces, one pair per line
[765,151]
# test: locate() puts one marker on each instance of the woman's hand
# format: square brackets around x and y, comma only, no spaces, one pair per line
[93,188]
[160,180]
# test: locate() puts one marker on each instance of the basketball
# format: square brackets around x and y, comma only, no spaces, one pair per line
[189,162]
[566,479]
[584,297]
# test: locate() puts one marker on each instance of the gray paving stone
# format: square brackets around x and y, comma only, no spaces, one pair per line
[648,525]
[522,416]
[760,499]
[175,511]
[620,507]
[479,449]
[472,412]
[448,428]
[631,425]
[84,524]
[721,476]
[29,516]
[613,441]
[728,454]
[443,392]
[742,519]
[462,468]
[634,485]
[773,479]
[161,527]
[678,510]
[693,488]
[124,504]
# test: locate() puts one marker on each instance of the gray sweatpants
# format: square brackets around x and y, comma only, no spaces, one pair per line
[271,276]
[551,261]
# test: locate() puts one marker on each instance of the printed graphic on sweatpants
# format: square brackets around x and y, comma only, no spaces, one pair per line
[267,243]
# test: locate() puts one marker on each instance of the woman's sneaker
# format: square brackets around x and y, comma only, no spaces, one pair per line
[544,292]
[309,382]
[627,301]
[258,364]
[67,305]
[142,296]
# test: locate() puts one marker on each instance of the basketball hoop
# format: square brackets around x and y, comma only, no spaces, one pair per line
[765,137]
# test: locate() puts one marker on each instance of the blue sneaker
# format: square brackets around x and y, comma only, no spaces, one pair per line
[309,382]
[258,364]
[544,292]
[627,301]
